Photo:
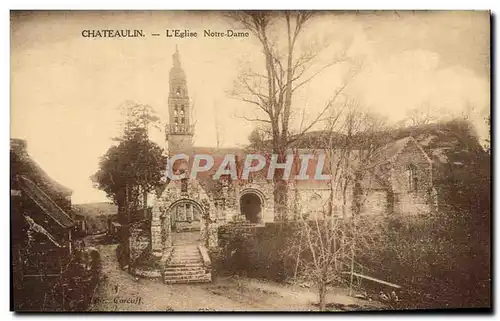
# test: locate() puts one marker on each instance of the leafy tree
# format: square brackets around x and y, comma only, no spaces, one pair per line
[133,167]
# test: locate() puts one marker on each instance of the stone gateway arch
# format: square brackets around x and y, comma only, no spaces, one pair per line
[182,211]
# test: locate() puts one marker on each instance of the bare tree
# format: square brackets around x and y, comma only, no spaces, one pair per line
[329,240]
[422,115]
[271,93]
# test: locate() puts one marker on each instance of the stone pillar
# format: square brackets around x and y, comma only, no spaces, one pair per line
[207,225]
[212,240]
[203,230]
[156,242]
[167,230]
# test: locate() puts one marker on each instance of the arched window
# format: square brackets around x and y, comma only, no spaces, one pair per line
[186,212]
[315,204]
[412,178]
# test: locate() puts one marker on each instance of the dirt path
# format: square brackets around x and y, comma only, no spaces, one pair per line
[120,291]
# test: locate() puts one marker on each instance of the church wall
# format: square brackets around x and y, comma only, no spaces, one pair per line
[180,144]
[310,202]
[408,201]
[412,203]
[375,203]
[138,240]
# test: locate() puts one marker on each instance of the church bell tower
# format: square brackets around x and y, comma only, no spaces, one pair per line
[179,131]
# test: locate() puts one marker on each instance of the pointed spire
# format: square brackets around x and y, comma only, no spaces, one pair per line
[176,58]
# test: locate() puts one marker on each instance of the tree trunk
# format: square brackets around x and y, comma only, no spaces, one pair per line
[145,203]
[280,189]
[127,203]
[353,244]
[322,296]
[352,270]
[280,200]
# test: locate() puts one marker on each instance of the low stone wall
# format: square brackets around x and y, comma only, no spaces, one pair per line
[146,272]
[139,240]
[206,257]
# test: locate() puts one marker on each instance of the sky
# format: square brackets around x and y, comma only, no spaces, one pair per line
[66,90]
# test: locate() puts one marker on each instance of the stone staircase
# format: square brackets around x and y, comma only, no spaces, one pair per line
[187,264]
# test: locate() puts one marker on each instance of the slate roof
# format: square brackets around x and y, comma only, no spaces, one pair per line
[388,152]
[391,151]
[44,202]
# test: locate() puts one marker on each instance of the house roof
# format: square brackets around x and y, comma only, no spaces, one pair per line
[23,164]
[39,229]
[354,161]
[391,151]
[388,152]
[44,202]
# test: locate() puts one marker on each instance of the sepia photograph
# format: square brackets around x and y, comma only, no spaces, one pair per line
[286,160]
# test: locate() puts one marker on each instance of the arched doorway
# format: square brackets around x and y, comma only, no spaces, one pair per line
[251,207]
[185,222]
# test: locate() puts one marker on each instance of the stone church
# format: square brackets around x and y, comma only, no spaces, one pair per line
[397,178]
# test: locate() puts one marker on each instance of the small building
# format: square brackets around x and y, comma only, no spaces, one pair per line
[42,234]
[94,218]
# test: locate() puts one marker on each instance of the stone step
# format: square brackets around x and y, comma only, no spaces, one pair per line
[189,264]
[192,272]
[182,254]
[184,268]
[189,257]
[186,265]
[177,254]
[187,277]
[187,281]
[186,247]
[186,253]
[201,276]
[185,260]
[184,275]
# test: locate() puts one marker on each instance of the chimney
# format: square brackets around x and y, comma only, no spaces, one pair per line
[18,146]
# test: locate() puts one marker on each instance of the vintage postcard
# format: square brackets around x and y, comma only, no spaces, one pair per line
[250,160]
